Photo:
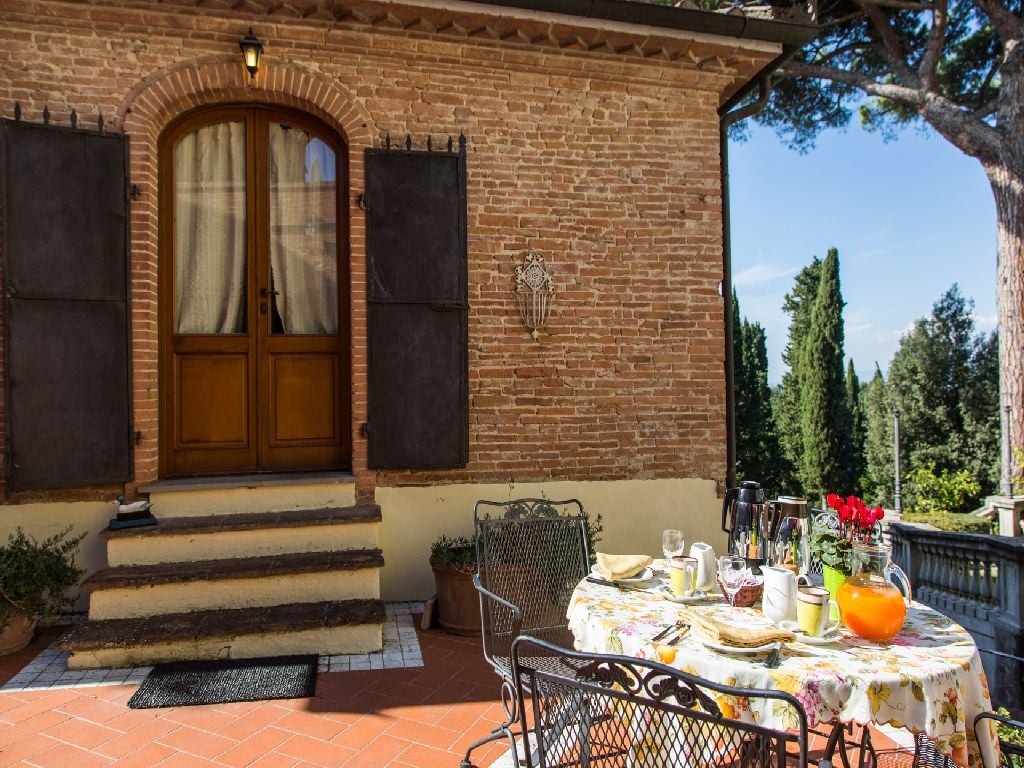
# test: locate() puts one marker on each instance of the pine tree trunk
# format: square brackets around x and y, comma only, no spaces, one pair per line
[1008,188]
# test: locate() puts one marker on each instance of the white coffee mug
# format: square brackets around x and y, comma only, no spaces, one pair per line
[812,611]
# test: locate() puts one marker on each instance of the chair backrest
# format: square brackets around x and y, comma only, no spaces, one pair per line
[531,553]
[619,711]
[1011,752]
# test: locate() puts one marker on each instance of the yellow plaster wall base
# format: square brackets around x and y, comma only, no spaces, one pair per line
[267,498]
[184,597]
[634,513]
[186,548]
[327,641]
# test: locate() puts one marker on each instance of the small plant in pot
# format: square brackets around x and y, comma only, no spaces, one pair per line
[35,577]
[453,560]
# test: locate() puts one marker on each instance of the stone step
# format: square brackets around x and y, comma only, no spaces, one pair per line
[241,494]
[327,629]
[135,591]
[247,534]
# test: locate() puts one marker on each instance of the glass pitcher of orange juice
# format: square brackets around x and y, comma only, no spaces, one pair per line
[872,606]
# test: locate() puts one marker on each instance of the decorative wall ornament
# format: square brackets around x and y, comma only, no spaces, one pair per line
[534,291]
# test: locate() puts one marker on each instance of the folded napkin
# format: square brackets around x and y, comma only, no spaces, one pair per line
[729,634]
[614,567]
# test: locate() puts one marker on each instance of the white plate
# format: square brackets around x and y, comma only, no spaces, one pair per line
[666,593]
[736,649]
[645,575]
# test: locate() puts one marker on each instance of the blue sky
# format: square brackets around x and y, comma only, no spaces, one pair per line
[909,218]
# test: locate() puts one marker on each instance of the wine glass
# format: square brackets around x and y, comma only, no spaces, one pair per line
[672,544]
[732,570]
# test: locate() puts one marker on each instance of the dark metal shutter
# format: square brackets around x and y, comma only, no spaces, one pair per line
[64,243]
[418,335]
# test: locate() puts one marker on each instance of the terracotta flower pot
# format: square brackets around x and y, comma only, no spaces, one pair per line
[18,633]
[458,606]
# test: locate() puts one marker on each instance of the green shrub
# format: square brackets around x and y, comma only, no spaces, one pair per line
[458,552]
[950,521]
[35,576]
[945,492]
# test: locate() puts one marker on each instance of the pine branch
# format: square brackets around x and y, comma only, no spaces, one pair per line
[1007,24]
[901,5]
[962,128]
[894,52]
[928,68]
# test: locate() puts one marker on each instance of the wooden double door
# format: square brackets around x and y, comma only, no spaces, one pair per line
[254,369]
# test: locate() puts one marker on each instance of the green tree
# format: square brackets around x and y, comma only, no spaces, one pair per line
[853,461]
[824,418]
[786,401]
[943,378]
[956,66]
[877,483]
[758,453]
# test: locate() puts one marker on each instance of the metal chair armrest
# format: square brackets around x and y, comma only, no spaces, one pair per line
[517,613]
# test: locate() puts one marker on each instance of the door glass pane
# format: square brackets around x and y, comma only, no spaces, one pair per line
[209,230]
[303,233]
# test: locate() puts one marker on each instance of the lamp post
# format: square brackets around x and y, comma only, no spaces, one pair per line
[897,500]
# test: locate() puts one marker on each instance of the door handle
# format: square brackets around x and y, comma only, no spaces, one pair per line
[264,293]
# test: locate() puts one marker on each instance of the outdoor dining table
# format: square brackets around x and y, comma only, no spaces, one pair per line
[928,678]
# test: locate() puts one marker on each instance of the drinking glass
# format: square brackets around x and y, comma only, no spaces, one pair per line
[672,544]
[732,570]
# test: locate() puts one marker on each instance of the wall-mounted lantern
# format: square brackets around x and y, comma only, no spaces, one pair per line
[252,52]
[534,292]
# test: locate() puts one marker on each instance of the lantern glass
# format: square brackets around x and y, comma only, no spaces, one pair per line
[252,52]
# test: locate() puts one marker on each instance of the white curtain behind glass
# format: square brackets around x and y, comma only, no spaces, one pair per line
[303,231]
[209,230]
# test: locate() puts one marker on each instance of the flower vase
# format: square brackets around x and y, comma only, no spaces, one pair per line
[833,579]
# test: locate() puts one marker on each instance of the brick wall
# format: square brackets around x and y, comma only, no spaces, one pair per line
[606,163]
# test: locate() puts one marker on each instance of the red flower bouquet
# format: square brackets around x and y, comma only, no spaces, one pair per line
[832,545]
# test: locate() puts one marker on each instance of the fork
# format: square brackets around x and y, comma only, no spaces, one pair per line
[665,632]
[774,658]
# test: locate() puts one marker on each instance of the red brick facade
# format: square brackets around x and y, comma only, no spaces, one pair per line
[602,152]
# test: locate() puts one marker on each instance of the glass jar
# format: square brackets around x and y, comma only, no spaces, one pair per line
[872,606]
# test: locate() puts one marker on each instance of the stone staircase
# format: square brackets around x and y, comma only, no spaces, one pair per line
[237,568]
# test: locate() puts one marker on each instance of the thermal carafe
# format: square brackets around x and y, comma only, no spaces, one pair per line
[743,518]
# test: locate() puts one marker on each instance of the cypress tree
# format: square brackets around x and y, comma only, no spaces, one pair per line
[854,458]
[824,419]
[786,401]
[878,441]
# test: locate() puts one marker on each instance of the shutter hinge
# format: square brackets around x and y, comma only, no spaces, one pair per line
[137,436]
[133,191]
[361,201]
[447,306]
[364,429]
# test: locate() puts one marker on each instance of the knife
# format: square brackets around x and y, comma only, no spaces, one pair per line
[607,583]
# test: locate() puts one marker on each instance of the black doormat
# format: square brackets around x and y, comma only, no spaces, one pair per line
[188,683]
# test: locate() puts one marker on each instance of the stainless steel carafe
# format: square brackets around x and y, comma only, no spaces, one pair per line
[743,518]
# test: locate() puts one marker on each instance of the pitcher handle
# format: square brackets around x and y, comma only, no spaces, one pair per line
[895,574]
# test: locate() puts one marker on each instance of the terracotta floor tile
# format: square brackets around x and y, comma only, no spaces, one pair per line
[379,753]
[316,751]
[253,747]
[427,757]
[92,709]
[309,724]
[193,741]
[273,760]
[427,735]
[66,755]
[254,721]
[145,756]
[38,723]
[82,733]
[205,718]
[29,745]
[132,740]
[180,760]
[364,730]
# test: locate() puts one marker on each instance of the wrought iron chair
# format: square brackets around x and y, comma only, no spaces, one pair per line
[606,711]
[531,554]
[1011,753]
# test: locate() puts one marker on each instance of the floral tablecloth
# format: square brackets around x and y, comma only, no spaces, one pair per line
[928,678]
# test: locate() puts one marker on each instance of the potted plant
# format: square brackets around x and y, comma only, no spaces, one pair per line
[453,561]
[34,581]
[834,546]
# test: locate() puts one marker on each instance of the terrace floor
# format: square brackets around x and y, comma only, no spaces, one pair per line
[413,716]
